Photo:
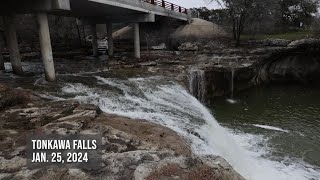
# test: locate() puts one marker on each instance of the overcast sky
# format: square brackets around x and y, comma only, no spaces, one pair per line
[195,3]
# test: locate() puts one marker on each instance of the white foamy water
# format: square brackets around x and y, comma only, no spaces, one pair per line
[270,128]
[169,104]
[197,83]
[232,101]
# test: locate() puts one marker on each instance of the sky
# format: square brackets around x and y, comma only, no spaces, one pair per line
[195,3]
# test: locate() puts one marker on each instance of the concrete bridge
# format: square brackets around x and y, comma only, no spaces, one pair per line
[89,12]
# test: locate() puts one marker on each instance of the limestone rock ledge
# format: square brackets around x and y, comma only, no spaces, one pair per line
[132,149]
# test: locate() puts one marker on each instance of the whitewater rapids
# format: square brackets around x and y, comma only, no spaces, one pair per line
[165,102]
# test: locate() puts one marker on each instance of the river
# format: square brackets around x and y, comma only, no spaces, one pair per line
[269,133]
[282,123]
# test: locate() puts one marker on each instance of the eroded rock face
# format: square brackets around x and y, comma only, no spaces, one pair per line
[299,62]
[132,149]
[303,68]
[305,43]
[181,168]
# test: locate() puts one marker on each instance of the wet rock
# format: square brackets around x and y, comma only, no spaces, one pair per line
[201,168]
[153,135]
[25,173]
[269,50]
[103,57]
[14,164]
[3,87]
[276,42]
[301,68]
[77,174]
[305,43]
[131,148]
[161,46]
[6,176]
[14,97]
[188,46]
[213,46]
[152,63]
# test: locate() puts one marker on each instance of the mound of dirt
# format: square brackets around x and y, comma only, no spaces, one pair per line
[199,28]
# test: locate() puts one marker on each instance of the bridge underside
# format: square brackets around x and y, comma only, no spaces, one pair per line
[89,8]
[89,12]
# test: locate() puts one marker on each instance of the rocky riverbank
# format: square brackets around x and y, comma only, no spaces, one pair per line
[132,148]
[223,71]
[137,149]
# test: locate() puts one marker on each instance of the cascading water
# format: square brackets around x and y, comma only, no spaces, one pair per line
[232,82]
[231,99]
[197,83]
[165,102]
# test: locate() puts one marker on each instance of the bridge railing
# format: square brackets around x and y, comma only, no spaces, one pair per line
[167,5]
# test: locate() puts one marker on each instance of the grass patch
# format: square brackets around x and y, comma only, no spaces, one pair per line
[288,36]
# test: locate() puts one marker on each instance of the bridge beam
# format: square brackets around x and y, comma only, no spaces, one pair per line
[12,42]
[136,34]
[140,6]
[30,6]
[110,40]
[133,18]
[45,45]
[93,28]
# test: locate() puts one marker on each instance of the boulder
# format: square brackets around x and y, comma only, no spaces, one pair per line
[305,43]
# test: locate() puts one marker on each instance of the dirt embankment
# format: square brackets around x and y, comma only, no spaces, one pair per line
[132,149]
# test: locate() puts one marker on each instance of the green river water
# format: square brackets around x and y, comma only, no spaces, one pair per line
[287,117]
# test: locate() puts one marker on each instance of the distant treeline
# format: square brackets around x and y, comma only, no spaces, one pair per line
[263,16]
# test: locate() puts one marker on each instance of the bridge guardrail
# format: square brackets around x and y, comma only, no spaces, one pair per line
[167,5]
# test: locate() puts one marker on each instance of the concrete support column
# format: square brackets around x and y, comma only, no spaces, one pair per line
[110,40]
[136,37]
[11,36]
[45,45]
[94,40]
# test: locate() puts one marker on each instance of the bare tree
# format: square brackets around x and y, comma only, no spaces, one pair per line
[238,12]
[242,12]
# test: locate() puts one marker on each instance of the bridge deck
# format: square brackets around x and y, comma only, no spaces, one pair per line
[127,7]
[97,8]
[90,12]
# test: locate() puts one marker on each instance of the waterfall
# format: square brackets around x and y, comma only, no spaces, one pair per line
[162,101]
[232,82]
[197,84]
[169,104]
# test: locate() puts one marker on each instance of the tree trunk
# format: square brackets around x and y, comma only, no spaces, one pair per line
[79,33]
[240,28]
[234,29]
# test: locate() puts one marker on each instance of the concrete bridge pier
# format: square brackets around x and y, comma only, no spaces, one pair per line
[45,45]
[11,36]
[93,28]
[110,40]
[136,37]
